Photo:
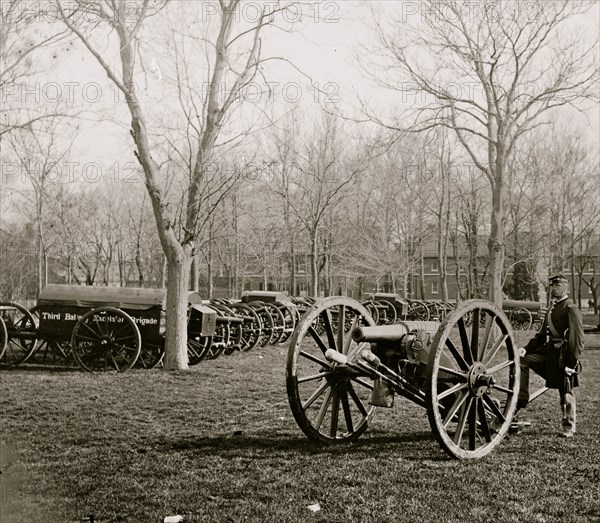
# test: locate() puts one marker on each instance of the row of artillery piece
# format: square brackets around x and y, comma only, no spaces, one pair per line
[109,328]
[345,357]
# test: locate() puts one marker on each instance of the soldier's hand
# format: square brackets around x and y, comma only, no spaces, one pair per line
[522,352]
[569,371]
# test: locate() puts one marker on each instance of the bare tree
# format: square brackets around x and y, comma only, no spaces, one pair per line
[42,150]
[23,37]
[233,58]
[491,74]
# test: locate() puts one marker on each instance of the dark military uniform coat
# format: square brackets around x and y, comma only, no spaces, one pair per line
[562,347]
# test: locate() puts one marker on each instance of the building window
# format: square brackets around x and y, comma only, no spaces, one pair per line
[435,266]
[435,287]
[301,265]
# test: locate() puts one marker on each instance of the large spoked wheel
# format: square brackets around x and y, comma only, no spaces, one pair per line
[3,338]
[473,380]
[21,333]
[330,402]
[106,339]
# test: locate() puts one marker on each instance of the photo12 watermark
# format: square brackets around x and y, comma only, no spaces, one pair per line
[270,92]
[61,93]
[468,11]
[254,12]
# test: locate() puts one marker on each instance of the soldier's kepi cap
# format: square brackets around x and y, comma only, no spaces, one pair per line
[557,278]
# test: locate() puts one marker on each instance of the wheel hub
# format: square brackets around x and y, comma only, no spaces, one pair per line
[479,381]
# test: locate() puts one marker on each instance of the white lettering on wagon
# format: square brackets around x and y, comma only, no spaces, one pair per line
[51,315]
[146,321]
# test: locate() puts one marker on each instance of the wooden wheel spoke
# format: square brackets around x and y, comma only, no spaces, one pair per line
[462,420]
[131,337]
[473,424]
[475,349]
[483,419]
[493,407]
[500,366]
[458,403]
[100,325]
[452,390]
[98,334]
[125,347]
[310,357]
[341,326]
[358,402]
[313,377]
[315,336]
[454,372]
[328,324]
[489,326]
[457,355]
[335,410]
[315,395]
[323,409]
[464,341]
[113,361]
[347,413]
[494,350]
[348,340]
[506,390]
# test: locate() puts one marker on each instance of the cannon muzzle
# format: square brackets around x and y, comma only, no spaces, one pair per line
[380,333]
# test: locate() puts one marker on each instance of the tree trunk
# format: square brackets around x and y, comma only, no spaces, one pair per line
[178,275]
[314,264]
[194,274]
[496,242]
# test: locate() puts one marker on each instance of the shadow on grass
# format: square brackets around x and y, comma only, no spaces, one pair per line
[39,367]
[406,446]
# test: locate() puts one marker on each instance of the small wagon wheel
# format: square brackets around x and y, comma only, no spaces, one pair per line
[373,309]
[418,311]
[235,329]
[279,322]
[197,348]
[329,401]
[220,339]
[50,352]
[473,380]
[106,338]
[251,328]
[3,337]
[151,354]
[21,333]
[290,319]
[266,320]
[387,312]
[520,319]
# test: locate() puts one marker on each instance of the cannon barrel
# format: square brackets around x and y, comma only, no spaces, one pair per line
[380,333]
[518,304]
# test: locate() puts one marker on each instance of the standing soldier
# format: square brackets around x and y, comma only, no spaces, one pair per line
[554,353]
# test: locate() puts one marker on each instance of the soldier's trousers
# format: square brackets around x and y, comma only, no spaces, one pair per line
[537,362]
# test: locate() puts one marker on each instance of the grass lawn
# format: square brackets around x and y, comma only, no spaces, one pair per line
[219,444]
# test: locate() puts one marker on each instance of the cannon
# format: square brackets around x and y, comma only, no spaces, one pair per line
[464,371]
[524,315]
[101,328]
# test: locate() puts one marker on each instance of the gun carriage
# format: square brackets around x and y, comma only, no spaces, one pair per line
[464,371]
